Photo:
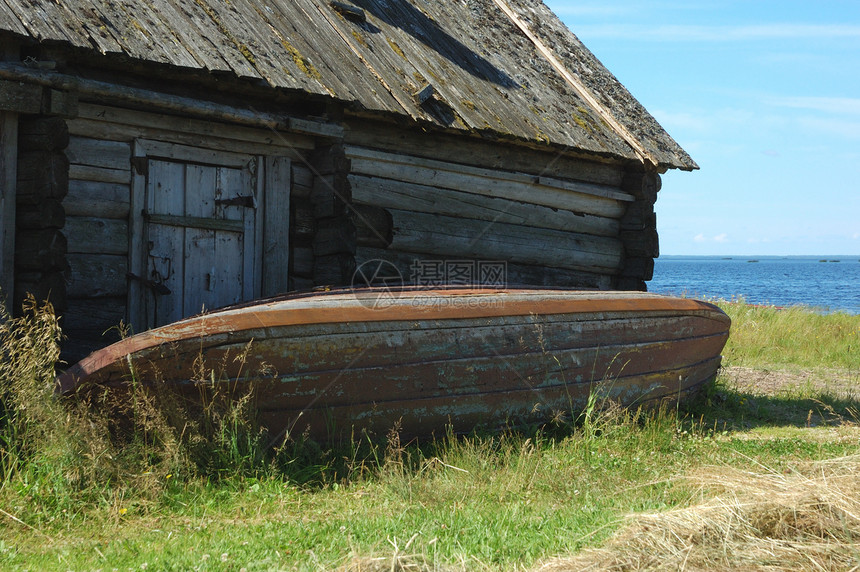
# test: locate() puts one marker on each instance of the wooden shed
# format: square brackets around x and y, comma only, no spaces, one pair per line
[166,156]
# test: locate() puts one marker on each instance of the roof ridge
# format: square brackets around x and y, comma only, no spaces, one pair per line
[577,85]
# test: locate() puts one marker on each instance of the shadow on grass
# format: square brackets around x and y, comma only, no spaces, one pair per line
[726,407]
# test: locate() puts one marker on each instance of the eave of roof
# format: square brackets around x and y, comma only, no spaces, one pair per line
[486,73]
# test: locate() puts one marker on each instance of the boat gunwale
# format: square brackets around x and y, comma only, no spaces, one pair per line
[267,314]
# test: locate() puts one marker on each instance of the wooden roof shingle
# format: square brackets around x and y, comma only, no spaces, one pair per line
[483,58]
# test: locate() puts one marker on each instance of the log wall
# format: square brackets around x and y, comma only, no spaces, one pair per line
[383,193]
[549,229]
[42,183]
[97,207]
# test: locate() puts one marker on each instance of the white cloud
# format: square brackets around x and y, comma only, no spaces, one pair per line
[720,238]
[565,9]
[697,33]
[837,127]
[838,105]
[670,120]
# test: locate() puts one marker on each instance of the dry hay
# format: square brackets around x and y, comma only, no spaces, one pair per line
[806,519]
[400,559]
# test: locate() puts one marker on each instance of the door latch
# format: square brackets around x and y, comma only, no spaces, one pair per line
[247,201]
[157,288]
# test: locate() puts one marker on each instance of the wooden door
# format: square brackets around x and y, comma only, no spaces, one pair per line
[200,227]
[199,246]
[208,229]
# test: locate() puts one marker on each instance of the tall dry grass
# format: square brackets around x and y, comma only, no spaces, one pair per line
[100,445]
[808,519]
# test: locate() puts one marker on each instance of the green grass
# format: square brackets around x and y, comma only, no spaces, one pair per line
[791,337]
[74,496]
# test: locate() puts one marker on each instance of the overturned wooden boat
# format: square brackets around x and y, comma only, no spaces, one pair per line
[329,364]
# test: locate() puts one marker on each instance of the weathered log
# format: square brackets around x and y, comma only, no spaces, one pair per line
[589,198]
[334,270]
[60,103]
[373,225]
[483,153]
[42,175]
[95,315]
[629,283]
[99,153]
[409,264]
[334,236]
[100,174]
[301,284]
[304,221]
[276,234]
[303,180]
[641,268]
[183,106]
[102,200]
[639,216]
[330,195]
[644,185]
[644,244]
[41,250]
[302,262]
[97,275]
[90,324]
[44,286]
[331,159]
[8,177]
[19,97]
[452,237]
[43,134]
[48,213]
[393,194]
[91,235]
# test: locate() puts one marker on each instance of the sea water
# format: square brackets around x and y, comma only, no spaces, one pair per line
[831,283]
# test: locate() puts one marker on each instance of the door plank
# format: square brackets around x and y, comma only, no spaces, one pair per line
[198,291]
[165,244]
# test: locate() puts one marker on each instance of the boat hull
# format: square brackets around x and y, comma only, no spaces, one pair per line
[426,362]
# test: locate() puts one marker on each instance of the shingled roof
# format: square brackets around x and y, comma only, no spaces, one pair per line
[507,68]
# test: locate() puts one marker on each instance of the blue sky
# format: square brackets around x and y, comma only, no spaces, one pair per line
[764,95]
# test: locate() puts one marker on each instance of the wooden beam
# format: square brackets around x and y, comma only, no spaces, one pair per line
[276,225]
[196,222]
[102,200]
[99,153]
[452,238]
[19,97]
[489,154]
[48,213]
[89,235]
[393,194]
[40,250]
[597,190]
[97,275]
[8,185]
[582,198]
[93,90]
[43,134]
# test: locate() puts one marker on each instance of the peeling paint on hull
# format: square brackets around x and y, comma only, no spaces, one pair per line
[329,363]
